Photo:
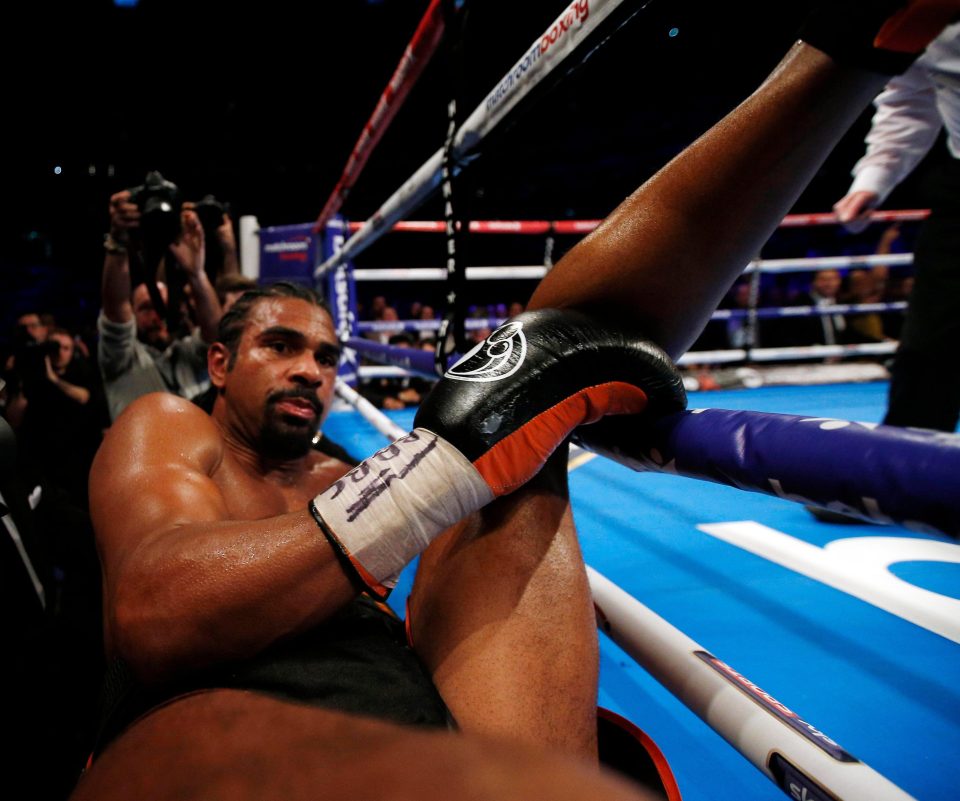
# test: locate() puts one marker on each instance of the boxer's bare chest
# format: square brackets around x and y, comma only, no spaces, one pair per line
[250,493]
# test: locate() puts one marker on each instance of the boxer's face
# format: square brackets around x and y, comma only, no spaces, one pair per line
[280,385]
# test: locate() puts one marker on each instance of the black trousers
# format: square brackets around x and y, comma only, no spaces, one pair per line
[925,376]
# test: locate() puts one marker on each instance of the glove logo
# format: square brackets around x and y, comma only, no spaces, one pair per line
[498,356]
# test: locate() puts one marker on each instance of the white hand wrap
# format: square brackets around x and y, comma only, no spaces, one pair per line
[386,510]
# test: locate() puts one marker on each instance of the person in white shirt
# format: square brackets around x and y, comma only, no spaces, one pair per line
[911,112]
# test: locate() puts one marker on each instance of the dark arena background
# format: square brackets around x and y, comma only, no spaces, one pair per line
[261,107]
[845,630]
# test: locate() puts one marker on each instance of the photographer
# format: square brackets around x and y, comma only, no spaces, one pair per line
[222,259]
[139,350]
[29,347]
[59,403]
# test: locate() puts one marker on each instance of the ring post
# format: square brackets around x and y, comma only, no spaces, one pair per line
[341,290]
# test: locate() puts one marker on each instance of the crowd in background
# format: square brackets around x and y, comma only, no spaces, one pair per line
[815,291]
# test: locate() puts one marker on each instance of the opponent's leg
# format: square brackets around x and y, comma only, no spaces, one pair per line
[236,746]
[501,610]
[666,256]
[502,615]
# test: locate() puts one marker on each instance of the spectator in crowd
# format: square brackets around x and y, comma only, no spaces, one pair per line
[59,413]
[396,393]
[740,332]
[515,308]
[29,328]
[230,286]
[391,326]
[53,639]
[137,353]
[864,286]
[221,256]
[377,306]
[888,287]
[819,329]
[427,315]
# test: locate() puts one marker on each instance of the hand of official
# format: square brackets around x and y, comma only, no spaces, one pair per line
[853,210]
[487,428]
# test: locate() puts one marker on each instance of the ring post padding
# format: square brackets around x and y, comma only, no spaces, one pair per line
[341,291]
[803,761]
[883,474]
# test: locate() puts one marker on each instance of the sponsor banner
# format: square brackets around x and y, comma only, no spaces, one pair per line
[341,294]
[774,707]
[795,783]
[562,37]
[287,253]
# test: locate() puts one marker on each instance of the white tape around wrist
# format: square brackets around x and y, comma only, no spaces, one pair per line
[387,509]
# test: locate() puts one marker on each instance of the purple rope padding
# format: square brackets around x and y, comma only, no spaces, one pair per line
[412,359]
[883,473]
[472,324]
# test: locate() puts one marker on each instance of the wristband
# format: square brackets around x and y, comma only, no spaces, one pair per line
[111,245]
[390,507]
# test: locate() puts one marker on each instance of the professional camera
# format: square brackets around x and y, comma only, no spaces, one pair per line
[210,211]
[159,204]
[29,355]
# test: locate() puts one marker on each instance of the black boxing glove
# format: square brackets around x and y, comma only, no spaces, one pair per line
[487,428]
[884,36]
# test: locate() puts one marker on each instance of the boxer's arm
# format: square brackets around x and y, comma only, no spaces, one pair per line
[184,586]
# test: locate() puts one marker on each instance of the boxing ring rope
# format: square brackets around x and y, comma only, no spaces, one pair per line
[794,754]
[715,357]
[881,474]
[586,226]
[415,58]
[770,354]
[568,31]
[803,761]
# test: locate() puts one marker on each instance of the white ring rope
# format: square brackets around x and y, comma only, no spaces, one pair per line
[574,25]
[827,263]
[440,273]
[748,718]
[765,266]
[581,227]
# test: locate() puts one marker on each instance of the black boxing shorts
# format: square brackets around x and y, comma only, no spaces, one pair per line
[358,661]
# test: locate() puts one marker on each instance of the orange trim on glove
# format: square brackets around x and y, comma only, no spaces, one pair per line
[536,439]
